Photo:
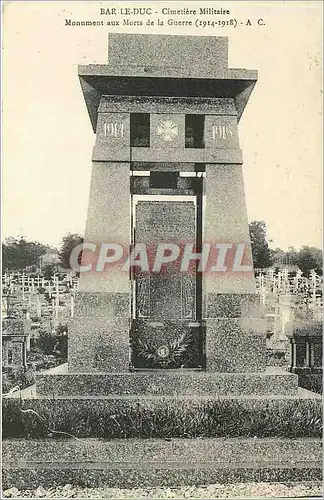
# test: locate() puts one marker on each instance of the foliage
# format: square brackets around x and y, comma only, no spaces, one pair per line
[311,381]
[52,344]
[6,382]
[310,258]
[22,378]
[18,253]
[49,270]
[25,378]
[260,247]
[69,242]
[163,418]
[9,304]
[288,257]
[306,259]
[292,255]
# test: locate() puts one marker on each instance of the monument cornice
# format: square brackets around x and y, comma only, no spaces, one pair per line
[160,104]
[103,80]
[171,72]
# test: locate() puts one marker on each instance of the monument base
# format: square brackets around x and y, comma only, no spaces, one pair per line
[177,383]
[141,463]
[242,438]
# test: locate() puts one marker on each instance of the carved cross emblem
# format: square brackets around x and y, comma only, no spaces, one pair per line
[168,130]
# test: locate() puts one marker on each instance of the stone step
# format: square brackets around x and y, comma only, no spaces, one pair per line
[170,383]
[156,462]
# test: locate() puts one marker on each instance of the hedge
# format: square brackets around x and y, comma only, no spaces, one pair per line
[161,418]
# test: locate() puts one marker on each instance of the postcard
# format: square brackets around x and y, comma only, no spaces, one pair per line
[162,267]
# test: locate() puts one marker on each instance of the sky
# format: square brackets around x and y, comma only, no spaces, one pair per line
[48,139]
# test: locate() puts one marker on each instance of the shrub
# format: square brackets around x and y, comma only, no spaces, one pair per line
[23,378]
[311,381]
[6,383]
[49,343]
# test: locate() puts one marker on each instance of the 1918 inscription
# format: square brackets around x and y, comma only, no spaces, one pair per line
[221,132]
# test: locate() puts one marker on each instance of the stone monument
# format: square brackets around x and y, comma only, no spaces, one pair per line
[167,169]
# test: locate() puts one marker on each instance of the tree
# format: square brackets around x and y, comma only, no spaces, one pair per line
[310,258]
[18,253]
[284,258]
[292,255]
[260,248]
[69,242]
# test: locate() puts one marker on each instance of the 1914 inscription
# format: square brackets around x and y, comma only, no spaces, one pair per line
[114,129]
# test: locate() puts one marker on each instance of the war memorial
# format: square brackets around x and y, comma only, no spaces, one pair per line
[168,338]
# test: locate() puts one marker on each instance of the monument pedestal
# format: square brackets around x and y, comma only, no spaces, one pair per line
[99,334]
[180,384]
